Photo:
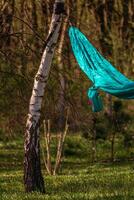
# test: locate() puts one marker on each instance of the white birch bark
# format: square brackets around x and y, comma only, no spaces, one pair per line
[33,179]
[44,68]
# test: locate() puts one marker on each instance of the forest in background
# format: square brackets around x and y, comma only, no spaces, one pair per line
[84,155]
[24,25]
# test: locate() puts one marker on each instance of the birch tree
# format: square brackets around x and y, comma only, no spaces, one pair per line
[33,179]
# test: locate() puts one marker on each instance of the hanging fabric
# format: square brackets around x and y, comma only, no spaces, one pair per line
[101,72]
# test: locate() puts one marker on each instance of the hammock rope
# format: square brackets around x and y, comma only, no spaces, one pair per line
[100,71]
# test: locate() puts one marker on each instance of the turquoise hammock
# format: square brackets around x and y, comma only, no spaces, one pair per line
[103,75]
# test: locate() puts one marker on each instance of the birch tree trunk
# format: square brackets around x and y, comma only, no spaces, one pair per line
[33,179]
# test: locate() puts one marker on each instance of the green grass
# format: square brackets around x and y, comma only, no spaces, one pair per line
[78,179]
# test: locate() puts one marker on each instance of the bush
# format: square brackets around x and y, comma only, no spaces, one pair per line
[75,146]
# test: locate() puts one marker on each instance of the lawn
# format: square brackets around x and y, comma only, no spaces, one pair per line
[78,178]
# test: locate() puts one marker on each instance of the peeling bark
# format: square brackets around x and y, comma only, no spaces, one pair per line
[33,179]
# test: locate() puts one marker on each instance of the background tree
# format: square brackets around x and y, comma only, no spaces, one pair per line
[33,178]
